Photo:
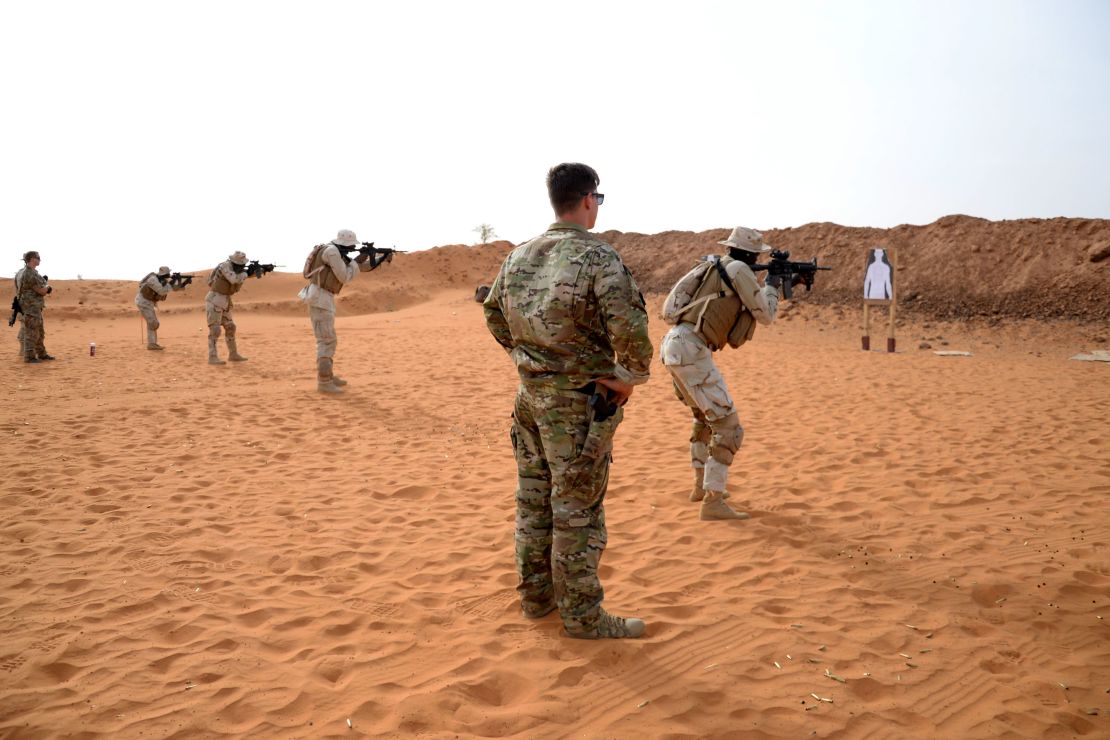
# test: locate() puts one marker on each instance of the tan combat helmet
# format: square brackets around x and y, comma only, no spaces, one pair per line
[747,239]
[345,238]
[163,271]
[238,258]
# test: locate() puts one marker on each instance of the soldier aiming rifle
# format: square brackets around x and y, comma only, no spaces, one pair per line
[328,267]
[153,288]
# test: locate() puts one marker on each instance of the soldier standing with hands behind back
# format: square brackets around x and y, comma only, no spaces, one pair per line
[571,317]
[31,290]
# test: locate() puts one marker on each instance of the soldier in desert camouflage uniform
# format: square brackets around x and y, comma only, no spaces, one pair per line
[571,317]
[720,309]
[328,269]
[31,290]
[152,289]
[225,281]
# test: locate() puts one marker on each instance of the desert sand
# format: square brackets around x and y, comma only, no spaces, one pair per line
[197,551]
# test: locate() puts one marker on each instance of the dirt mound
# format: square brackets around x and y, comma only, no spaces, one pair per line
[956,267]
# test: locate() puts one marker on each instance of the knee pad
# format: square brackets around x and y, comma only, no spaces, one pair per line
[699,453]
[231,330]
[728,435]
[153,325]
[214,331]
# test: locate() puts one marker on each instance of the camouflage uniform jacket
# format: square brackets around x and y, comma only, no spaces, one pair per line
[569,311]
[26,280]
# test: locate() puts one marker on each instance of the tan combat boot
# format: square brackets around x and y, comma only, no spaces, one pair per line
[152,340]
[233,352]
[325,381]
[715,508]
[699,478]
[612,627]
[213,356]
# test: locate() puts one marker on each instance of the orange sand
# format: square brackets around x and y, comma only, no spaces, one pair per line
[196,551]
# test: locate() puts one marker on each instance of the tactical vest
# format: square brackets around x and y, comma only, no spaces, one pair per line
[717,313]
[221,285]
[320,272]
[148,292]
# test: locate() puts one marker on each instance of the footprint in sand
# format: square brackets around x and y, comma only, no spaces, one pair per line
[486,607]
[378,609]
[10,663]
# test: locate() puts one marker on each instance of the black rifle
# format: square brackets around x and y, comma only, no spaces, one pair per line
[257,269]
[370,250]
[780,266]
[177,277]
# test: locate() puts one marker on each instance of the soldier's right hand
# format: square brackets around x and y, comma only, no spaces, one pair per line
[621,390]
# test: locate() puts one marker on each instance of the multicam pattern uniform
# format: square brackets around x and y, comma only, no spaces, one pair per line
[569,312]
[32,334]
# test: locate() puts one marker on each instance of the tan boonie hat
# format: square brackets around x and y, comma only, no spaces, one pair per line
[345,238]
[163,270]
[238,258]
[747,239]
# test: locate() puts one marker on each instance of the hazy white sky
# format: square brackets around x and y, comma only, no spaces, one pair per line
[144,133]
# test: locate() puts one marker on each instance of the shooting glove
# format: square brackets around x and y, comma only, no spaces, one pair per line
[797,279]
[775,281]
[49,289]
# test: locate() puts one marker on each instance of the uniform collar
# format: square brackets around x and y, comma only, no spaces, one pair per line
[564,225]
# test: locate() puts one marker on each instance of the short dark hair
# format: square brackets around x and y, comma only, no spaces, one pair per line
[28,256]
[567,182]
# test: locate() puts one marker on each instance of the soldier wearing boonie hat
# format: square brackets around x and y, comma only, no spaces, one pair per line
[154,287]
[328,269]
[225,281]
[717,303]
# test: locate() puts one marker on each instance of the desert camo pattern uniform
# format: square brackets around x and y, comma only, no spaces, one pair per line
[569,312]
[151,291]
[687,353]
[225,281]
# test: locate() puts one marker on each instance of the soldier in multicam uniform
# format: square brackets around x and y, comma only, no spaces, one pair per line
[152,289]
[31,290]
[329,270]
[225,281]
[571,317]
[717,312]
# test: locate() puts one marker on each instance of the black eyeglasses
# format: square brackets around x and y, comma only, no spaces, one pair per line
[600,196]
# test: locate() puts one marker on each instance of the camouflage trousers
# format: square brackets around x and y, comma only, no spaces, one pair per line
[716,435]
[32,335]
[323,327]
[562,459]
[219,317]
[150,313]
